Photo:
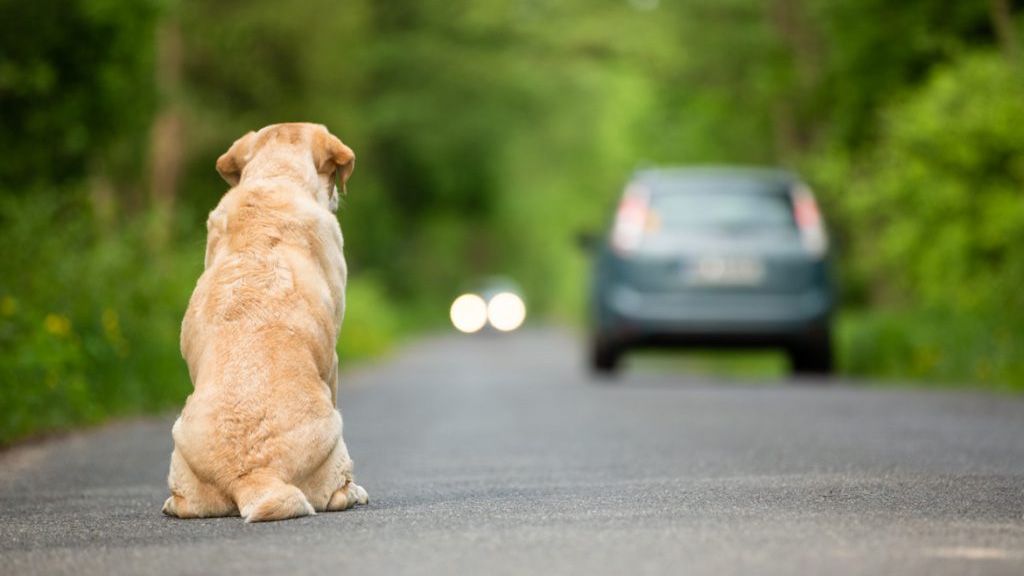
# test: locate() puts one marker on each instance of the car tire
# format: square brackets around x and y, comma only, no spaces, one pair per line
[812,357]
[605,357]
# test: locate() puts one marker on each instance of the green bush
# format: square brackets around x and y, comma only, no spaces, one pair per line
[371,321]
[943,194]
[88,318]
[934,220]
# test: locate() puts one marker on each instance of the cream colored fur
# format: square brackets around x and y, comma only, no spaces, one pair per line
[260,435]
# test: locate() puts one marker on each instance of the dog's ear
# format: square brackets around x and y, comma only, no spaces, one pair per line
[330,154]
[231,163]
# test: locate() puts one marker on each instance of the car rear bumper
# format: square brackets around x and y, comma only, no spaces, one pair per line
[714,319]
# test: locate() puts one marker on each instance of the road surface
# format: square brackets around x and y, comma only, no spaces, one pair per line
[500,456]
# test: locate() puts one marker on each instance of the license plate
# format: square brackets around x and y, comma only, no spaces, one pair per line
[725,271]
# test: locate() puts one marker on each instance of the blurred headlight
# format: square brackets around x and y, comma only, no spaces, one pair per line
[468,313]
[506,311]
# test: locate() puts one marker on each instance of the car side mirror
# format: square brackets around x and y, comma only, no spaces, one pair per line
[587,241]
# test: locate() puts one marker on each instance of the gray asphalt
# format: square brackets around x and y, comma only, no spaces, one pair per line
[500,456]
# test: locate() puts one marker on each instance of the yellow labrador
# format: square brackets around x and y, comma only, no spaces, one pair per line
[259,435]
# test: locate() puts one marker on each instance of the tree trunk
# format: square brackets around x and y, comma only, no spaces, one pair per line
[167,133]
[1002,21]
[795,132]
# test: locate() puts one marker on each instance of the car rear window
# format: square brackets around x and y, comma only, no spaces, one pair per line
[722,210]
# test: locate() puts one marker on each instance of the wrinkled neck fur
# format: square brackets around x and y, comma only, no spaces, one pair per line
[268,166]
[302,174]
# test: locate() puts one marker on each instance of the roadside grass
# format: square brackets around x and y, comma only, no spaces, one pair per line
[931,349]
[742,365]
[883,348]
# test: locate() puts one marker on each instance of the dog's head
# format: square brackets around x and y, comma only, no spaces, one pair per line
[300,149]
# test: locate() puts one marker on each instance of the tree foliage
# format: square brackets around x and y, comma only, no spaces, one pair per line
[75,88]
[487,135]
[945,190]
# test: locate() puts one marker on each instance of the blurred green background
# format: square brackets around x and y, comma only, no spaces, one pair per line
[487,135]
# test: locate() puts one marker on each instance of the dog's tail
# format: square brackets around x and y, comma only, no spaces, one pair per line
[261,496]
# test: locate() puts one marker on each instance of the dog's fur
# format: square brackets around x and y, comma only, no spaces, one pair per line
[260,436]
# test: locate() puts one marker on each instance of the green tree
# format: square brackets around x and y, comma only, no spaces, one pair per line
[76,90]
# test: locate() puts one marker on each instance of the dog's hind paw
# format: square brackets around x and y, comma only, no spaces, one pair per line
[348,496]
[361,496]
[169,508]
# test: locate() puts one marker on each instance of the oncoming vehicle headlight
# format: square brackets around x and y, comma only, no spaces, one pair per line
[506,311]
[468,313]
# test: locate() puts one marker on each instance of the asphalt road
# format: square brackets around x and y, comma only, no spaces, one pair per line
[500,456]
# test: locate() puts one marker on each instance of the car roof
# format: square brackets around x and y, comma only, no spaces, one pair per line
[772,178]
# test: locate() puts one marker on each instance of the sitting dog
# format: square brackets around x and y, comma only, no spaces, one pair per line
[260,436]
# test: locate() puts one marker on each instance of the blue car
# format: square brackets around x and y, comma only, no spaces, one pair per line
[714,257]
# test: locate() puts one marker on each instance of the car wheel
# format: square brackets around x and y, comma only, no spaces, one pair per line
[605,357]
[812,356]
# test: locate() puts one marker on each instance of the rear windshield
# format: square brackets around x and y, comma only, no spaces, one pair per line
[727,211]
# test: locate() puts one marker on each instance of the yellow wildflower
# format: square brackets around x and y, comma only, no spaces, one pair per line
[111,324]
[57,325]
[112,328]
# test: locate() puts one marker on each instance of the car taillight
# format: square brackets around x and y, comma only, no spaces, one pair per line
[631,219]
[809,221]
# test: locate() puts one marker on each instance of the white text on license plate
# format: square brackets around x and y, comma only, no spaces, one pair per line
[723,270]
